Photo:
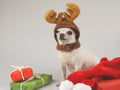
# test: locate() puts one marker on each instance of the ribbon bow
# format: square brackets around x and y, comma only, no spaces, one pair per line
[36,75]
[20,69]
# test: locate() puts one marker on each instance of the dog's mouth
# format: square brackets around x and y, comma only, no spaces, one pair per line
[62,38]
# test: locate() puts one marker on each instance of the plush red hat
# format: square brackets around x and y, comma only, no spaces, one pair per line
[106,69]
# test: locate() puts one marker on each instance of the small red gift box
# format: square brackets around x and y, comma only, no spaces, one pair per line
[108,85]
[21,74]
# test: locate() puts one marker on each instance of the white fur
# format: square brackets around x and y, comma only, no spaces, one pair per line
[69,39]
[81,86]
[77,59]
[68,85]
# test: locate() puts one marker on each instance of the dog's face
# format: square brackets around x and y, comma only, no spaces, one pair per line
[66,36]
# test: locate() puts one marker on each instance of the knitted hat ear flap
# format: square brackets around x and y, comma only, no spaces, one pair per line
[77,34]
[55,36]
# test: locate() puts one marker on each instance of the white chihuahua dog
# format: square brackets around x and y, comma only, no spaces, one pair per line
[78,58]
[72,55]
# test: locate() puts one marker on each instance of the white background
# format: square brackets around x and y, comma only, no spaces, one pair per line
[27,39]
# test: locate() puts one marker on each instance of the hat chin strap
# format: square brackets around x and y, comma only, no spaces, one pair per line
[68,47]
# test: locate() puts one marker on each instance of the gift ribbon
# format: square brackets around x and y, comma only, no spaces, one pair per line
[20,69]
[34,76]
[21,85]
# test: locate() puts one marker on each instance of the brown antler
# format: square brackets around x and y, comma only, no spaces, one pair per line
[50,17]
[72,12]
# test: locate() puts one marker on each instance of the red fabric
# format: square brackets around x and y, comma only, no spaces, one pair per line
[104,70]
[107,85]
[16,75]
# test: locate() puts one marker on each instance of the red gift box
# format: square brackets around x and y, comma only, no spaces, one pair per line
[108,85]
[21,74]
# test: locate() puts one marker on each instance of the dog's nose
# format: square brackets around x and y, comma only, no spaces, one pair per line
[62,35]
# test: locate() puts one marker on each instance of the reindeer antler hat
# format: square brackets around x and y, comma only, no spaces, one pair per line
[64,19]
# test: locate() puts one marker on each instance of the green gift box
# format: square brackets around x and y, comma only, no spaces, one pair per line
[33,84]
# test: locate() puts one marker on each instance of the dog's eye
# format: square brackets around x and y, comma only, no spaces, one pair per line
[56,31]
[69,32]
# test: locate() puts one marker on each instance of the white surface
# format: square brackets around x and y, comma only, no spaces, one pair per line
[27,39]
